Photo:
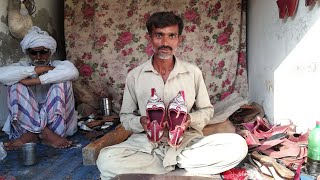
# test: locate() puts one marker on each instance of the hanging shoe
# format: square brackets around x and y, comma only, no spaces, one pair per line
[309,2]
[177,112]
[155,112]
[282,6]
[292,6]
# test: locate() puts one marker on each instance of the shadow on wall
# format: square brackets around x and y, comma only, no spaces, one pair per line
[3,105]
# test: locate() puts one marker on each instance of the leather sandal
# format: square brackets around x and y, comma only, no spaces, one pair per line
[177,113]
[292,163]
[262,129]
[285,149]
[301,139]
[155,111]
[247,113]
[254,164]
[260,122]
[251,140]
[280,169]
[266,134]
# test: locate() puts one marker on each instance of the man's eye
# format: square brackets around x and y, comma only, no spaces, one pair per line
[172,36]
[158,35]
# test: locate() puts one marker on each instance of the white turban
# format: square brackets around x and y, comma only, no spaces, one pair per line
[36,38]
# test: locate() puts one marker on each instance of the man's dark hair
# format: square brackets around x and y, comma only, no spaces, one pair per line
[164,19]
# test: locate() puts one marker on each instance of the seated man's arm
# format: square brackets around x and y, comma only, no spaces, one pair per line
[15,72]
[63,71]
[34,79]
[203,107]
[128,118]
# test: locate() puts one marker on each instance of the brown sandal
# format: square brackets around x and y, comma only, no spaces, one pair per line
[267,160]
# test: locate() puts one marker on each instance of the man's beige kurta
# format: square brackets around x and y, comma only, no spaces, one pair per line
[184,76]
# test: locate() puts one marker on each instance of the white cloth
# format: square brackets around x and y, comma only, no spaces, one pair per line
[36,38]
[63,71]
[205,155]
[213,154]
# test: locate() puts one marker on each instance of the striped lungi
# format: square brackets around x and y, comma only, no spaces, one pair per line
[56,112]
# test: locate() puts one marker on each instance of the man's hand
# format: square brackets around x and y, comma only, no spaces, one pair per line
[30,82]
[42,69]
[188,122]
[144,120]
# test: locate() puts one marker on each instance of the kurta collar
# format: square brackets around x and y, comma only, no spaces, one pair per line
[178,67]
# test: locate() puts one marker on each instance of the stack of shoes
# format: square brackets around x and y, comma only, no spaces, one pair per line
[277,146]
[177,115]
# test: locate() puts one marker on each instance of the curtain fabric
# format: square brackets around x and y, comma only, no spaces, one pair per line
[107,39]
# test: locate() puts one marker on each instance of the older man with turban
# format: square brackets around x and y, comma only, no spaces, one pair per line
[40,96]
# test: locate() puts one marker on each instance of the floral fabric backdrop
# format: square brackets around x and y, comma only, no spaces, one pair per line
[107,39]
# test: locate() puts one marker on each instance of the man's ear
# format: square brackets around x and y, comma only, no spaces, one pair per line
[180,39]
[148,37]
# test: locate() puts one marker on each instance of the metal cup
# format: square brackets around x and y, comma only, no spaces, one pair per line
[105,106]
[29,154]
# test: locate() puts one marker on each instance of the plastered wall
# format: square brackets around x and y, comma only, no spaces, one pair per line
[49,17]
[284,62]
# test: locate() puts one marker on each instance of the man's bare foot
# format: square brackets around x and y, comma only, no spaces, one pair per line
[52,139]
[17,143]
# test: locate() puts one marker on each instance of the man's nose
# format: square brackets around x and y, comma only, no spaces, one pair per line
[165,41]
[38,55]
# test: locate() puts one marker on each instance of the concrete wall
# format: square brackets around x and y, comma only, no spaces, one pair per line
[49,17]
[284,62]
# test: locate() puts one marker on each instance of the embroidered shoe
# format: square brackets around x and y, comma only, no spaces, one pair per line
[177,112]
[155,112]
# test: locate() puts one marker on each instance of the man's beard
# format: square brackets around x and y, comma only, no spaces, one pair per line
[39,62]
[164,56]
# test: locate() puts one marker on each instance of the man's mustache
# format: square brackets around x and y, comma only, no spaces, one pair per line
[39,62]
[165,47]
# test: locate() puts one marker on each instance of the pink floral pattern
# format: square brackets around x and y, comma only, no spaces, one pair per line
[107,39]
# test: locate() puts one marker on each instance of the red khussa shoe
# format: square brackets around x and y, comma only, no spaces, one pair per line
[292,6]
[282,6]
[177,112]
[155,112]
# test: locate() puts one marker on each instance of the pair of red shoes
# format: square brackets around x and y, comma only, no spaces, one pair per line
[177,113]
[287,7]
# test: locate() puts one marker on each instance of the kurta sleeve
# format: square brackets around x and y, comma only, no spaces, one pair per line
[203,107]
[128,116]
[15,72]
[63,71]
